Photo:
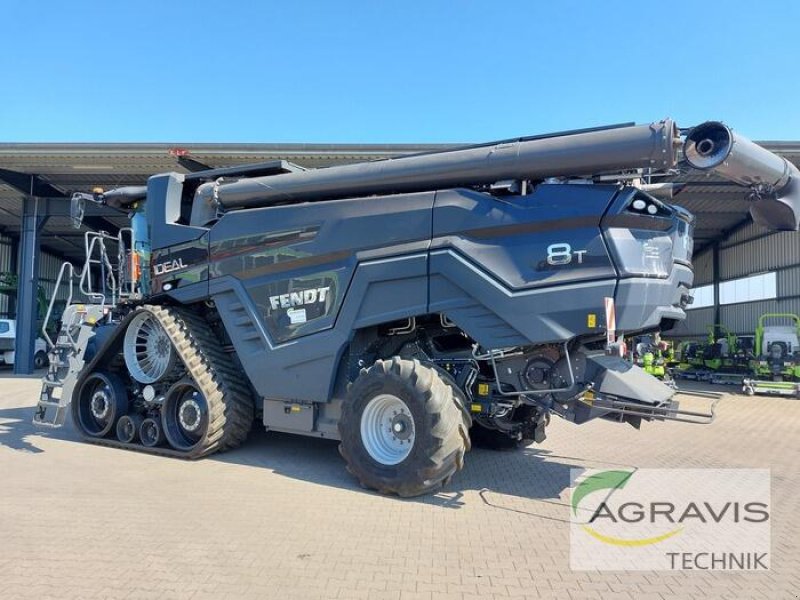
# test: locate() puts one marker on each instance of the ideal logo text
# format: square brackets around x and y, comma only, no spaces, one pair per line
[168,266]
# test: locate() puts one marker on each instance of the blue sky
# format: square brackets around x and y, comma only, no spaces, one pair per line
[293,71]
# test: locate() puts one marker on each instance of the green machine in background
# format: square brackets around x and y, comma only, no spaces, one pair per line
[690,356]
[724,357]
[722,352]
[777,347]
[776,362]
[653,355]
[9,283]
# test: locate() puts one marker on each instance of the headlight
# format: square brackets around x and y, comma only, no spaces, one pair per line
[641,252]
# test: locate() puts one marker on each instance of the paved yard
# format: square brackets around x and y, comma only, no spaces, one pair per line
[281,518]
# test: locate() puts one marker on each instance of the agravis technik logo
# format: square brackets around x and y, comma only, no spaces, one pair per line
[604,481]
[706,519]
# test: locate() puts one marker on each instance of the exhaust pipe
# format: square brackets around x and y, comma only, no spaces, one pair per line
[773,180]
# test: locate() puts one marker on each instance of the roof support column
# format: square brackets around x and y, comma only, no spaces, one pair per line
[13,268]
[28,284]
[715,269]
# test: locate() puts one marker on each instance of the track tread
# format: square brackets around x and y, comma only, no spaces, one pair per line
[230,402]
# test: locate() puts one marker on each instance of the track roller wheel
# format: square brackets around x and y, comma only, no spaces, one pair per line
[402,429]
[184,416]
[128,428]
[151,433]
[102,399]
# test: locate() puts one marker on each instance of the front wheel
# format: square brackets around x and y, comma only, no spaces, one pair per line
[402,429]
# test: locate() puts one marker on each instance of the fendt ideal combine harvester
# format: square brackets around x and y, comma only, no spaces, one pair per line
[395,304]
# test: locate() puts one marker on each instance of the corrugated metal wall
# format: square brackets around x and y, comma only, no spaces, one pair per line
[5,265]
[788,282]
[765,253]
[749,231]
[742,318]
[49,266]
[748,251]
[695,324]
[704,269]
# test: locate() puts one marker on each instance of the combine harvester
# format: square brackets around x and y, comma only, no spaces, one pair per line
[395,305]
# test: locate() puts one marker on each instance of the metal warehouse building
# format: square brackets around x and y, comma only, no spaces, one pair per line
[741,271]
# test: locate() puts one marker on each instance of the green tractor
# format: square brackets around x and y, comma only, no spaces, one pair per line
[726,353]
[689,363]
[717,355]
[777,347]
[691,355]
[722,358]
[776,356]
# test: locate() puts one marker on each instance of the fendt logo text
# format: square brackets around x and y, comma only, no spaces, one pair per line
[300,298]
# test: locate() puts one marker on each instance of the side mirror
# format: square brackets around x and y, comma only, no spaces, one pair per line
[77,209]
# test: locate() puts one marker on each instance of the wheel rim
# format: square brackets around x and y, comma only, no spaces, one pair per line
[148,350]
[185,415]
[99,403]
[150,432]
[126,429]
[387,429]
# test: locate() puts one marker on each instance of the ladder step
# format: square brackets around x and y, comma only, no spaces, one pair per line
[49,403]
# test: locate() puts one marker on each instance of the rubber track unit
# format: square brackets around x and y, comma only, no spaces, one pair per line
[230,401]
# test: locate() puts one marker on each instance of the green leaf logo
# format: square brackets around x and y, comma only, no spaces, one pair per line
[605,480]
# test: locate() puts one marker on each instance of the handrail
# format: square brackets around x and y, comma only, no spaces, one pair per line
[64,267]
[95,242]
[125,266]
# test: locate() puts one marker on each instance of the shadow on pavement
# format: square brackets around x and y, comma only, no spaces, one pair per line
[533,473]
[18,433]
[530,473]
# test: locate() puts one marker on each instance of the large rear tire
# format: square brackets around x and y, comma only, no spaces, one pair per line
[402,429]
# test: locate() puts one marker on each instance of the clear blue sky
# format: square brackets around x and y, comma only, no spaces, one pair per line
[403,71]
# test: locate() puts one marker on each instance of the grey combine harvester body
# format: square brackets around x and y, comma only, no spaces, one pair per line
[402,306]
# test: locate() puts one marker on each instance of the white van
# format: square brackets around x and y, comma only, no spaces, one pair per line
[8,332]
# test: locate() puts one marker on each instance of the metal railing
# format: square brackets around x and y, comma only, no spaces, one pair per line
[101,281]
[97,255]
[65,267]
